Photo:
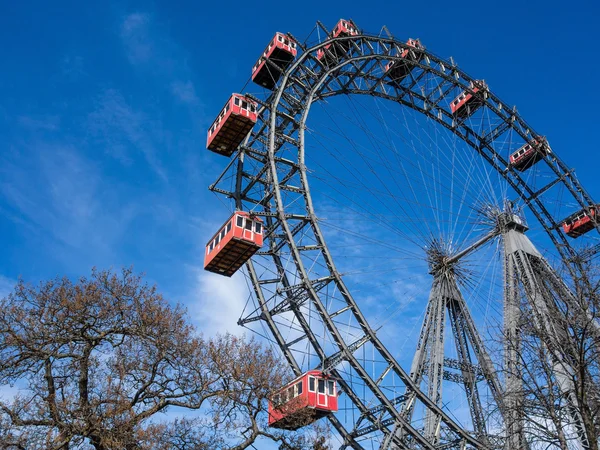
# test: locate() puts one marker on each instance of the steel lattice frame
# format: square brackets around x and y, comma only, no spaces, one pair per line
[272,181]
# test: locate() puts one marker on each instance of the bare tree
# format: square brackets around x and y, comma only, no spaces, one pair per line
[96,361]
[558,354]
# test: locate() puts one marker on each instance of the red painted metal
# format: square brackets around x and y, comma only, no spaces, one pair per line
[581,222]
[238,239]
[529,154]
[343,28]
[282,51]
[301,402]
[398,70]
[231,126]
[468,102]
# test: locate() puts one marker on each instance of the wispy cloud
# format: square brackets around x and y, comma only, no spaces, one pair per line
[92,179]
[148,44]
[72,67]
[218,302]
[56,191]
[44,123]
[149,47]
[184,91]
[135,36]
[121,128]
[6,286]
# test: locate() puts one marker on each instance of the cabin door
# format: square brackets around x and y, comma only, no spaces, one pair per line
[321,393]
[249,229]
[244,108]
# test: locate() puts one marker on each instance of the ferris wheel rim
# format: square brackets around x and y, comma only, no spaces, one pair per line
[312,218]
[565,174]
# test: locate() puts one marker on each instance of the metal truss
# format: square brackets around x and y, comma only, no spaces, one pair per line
[269,176]
[525,266]
[474,362]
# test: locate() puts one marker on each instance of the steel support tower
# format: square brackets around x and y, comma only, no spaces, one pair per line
[530,282]
[525,267]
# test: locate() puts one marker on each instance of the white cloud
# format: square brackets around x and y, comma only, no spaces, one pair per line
[56,190]
[6,286]
[218,302]
[134,33]
[150,48]
[44,123]
[59,193]
[118,126]
[184,91]
[9,392]
[72,69]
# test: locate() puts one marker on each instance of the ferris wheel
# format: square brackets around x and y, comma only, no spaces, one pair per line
[392,237]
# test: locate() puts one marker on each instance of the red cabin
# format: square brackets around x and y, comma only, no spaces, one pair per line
[343,28]
[581,222]
[529,154]
[234,244]
[303,401]
[282,51]
[232,125]
[398,70]
[467,103]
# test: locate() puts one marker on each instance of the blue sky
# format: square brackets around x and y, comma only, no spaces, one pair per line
[104,108]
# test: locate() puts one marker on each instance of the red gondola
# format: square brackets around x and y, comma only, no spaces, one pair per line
[282,51]
[238,239]
[529,154]
[231,126]
[467,103]
[343,28]
[398,70]
[581,222]
[303,401]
